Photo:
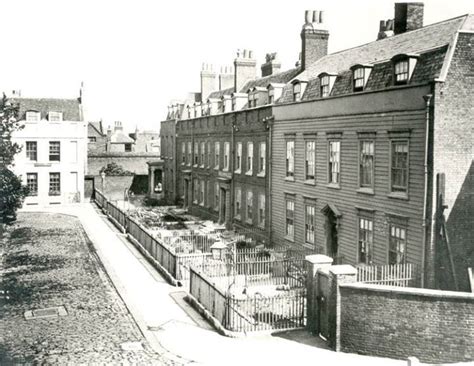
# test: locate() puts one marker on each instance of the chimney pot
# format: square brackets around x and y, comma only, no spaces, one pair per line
[308,14]
[250,54]
[321,16]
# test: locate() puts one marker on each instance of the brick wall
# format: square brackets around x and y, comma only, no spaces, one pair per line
[453,155]
[136,163]
[435,326]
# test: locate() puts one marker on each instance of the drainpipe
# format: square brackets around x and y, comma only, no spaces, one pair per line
[269,120]
[427,244]
[233,129]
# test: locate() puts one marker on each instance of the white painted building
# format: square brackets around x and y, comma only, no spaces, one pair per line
[53,159]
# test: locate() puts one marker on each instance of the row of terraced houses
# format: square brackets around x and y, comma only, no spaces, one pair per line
[364,154]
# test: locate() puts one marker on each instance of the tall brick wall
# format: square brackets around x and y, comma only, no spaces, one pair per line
[453,155]
[435,326]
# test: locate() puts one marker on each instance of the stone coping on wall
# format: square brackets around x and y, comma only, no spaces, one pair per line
[411,291]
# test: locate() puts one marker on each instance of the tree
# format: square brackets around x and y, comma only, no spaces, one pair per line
[12,192]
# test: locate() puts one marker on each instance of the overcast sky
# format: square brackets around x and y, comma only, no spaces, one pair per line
[134,56]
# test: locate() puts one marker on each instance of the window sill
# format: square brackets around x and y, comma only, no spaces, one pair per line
[261,175]
[398,195]
[216,168]
[261,226]
[225,170]
[249,173]
[333,185]
[369,191]
[202,166]
[290,179]
[308,245]
[238,171]
[33,194]
[310,182]
[237,217]
[54,194]
[195,166]
[250,222]
[290,239]
[183,164]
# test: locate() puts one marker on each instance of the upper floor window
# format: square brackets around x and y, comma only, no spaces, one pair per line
[271,96]
[203,152]
[92,139]
[217,148]
[334,168]
[238,157]
[401,72]
[359,79]
[310,159]
[399,166]
[325,86]
[366,164]
[296,92]
[290,158]
[262,158]
[54,151]
[190,153]
[208,154]
[55,116]
[33,116]
[360,75]
[216,196]
[32,150]
[226,155]
[196,153]
[202,192]
[183,153]
[403,67]
[250,158]
[128,147]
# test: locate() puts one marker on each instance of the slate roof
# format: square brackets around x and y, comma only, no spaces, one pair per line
[98,127]
[219,93]
[119,137]
[430,42]
[70,108]
[280,78]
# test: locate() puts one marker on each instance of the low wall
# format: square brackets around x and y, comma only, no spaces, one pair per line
[115,186]
[435,326]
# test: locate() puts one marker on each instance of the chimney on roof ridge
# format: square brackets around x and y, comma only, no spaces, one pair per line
[118,126]
[272,65]
[208,80]
[226,77]
[385,29]
[408,17]
[245,68]
[314,38]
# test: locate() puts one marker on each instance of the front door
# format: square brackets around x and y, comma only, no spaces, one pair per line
[323,313]
[186,193]
[222,206]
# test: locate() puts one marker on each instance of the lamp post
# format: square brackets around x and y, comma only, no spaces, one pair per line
[102,175]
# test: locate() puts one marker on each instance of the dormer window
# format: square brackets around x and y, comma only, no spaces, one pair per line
[251,99]
[360,75]
[403,67]
[33,116]
[274,92]
[271,96]
[326,82]
[55,116]
[296,92]
[401,72]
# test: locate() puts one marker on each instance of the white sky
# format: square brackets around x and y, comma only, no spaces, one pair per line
[135,56]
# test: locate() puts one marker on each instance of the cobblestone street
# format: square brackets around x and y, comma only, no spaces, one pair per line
[48,262]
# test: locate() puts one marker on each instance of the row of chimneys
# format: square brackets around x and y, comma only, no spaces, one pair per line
[314,45]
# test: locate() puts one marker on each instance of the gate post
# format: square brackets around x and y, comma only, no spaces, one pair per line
[338,275]
[314,263]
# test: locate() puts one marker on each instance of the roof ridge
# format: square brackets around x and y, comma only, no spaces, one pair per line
[398,35]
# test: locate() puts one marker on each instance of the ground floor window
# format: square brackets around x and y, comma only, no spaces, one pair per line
[32,183]
[54,184]
[397,244]
[249,207]
[309,223]
[290,217]
[261,210]
[238,202]
[366,235]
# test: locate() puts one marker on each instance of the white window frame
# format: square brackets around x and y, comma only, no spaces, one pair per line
[238,203]
[249,207]
[309,226]
[290,221]
[249,163]
[217,150]
[55,116]
[310,160]
[33,116]
[334,163]
[238,158]
[226,156]
[290,159]
[261,210]
[262,159]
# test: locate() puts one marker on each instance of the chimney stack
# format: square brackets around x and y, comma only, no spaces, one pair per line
[272,65]
[118,126]
[385,29]
[226,78]
[245,68]
[314,38]
[208,80]
[408,17]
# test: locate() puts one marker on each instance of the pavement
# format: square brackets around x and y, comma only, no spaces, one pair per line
[176,331]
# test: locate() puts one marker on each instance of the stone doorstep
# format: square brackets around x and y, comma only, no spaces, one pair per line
[52,312]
